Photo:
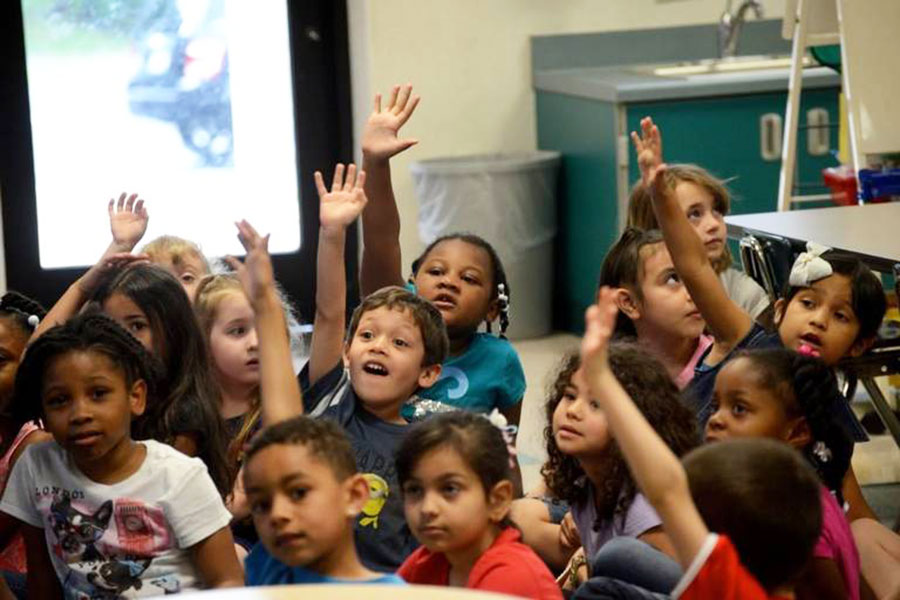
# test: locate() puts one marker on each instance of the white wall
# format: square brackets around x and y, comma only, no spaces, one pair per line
[470,62]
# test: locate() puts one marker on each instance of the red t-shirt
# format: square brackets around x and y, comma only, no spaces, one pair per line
[717,572]
[508,567]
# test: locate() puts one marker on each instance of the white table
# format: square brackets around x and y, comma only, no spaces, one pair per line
[871,231]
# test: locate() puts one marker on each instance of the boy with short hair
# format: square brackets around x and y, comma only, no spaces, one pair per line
[305,495]
[760,495]
[395,345]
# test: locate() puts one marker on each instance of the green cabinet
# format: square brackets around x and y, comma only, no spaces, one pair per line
[725,134]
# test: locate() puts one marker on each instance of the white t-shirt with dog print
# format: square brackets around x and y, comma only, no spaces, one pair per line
[128,539]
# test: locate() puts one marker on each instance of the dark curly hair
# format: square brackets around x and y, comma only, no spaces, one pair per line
[91,332]
[808,388]
[655,395]
[498,273]
[16,310]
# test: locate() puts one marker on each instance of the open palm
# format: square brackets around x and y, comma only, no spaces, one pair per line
[379,138]
[346,200]
[128,220]
[255,273]
[648,146]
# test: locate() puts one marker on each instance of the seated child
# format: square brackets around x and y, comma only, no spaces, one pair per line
[110,515]
[585,466]
[305,496]
[761,497]
[455,475]
[460,274]
[654,305]
[786,396]
[705,201]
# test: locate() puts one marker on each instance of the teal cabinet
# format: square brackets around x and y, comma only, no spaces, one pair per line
[722,134]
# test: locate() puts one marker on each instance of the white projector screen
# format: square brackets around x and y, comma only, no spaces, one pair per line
[187,102]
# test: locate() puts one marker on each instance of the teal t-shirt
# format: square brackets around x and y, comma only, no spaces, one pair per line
[486,376]
[264,569]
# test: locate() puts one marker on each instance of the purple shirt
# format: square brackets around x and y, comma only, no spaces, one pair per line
[634,522]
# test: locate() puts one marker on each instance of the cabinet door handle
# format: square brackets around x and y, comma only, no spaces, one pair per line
[770,132]
[818,132]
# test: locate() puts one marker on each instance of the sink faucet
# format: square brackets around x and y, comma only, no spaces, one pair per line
[730,25]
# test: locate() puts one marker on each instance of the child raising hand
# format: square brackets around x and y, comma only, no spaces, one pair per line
[735,488]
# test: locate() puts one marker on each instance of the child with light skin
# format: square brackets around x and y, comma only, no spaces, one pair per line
[736,488]
[654,305]
[455,474]
[305,495]
[180,257]
[360,379]
[831,309]
[782,395]
[705,201]
[460,274]
[87,380]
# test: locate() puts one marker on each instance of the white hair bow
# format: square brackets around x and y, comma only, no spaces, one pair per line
[507,431]
[810,266]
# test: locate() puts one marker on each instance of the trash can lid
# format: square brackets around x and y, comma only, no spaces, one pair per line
[481,163]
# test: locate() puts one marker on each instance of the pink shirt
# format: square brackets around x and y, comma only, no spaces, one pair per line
[12,558]
[687,373]
[836,543]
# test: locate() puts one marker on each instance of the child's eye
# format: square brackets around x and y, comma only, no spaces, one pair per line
[807,303]
[471,280]
[412,491]
[188,278]
[694,214]
[738,410]
[137,326]
[55,401]
[714,407]
[260,507]
[298,494]
[842,317]
[450,490]
[401,343]
[236,331]
[595,405]
[366,335]
[673,279]
[435,271]
[99,393]
[569,396]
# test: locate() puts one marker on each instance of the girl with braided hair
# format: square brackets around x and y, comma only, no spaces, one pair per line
[110,515]
[781,394]
[19,315]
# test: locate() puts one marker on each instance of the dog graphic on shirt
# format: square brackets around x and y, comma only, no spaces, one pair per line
[78,532]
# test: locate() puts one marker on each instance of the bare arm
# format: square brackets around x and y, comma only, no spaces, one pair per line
[381,258]
[128,220]
[216,561]
[725,319]
[41,577]
[533,519]
[278,387]
[657,538]
[655,467]
[338,208]
[821,580]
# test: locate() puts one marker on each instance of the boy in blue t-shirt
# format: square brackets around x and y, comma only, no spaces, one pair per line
[305,494]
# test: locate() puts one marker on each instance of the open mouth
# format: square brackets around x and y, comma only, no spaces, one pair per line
[444,302]
[810,344]
[253,362]
[374,368]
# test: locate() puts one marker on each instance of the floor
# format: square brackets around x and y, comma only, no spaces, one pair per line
[876,462]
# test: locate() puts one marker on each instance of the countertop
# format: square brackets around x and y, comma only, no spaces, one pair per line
[626,83]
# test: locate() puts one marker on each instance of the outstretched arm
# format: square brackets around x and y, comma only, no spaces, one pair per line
[381,259]
[338,208]
[128,220]
[655,467]
[278,388]
[725,319]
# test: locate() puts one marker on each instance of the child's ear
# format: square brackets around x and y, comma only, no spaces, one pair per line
[137,398]
[429,375]
[627,303]
[356,490]
[780,306]
[799,435]
[493,311]
[861,346]
[345,355]
[500,500]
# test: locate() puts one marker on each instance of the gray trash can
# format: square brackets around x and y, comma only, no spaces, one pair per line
[510,201]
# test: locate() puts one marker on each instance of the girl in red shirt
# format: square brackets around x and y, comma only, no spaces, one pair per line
[455,475]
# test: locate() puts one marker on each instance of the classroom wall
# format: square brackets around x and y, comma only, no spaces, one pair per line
[470,62]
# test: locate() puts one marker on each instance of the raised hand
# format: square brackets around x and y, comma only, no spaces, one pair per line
[379,137]
[255,273]
[600,323]
[648,146]
[89,282]
[127,220]
[346,200]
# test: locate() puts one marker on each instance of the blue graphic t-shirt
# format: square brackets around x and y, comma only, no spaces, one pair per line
[264,569]
[383,538]
[486,376]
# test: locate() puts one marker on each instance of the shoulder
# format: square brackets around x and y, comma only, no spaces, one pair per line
[424,567]
[640,517]
[511,567]
[261,568]
[717,572]
[744,290]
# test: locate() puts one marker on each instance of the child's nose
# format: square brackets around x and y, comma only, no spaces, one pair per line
[429,506]
[81,411]
[278,513]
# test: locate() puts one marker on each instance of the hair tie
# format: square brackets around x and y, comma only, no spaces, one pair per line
[821,451]
[810,266]
[33,321]
[502,298]
[508,432]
